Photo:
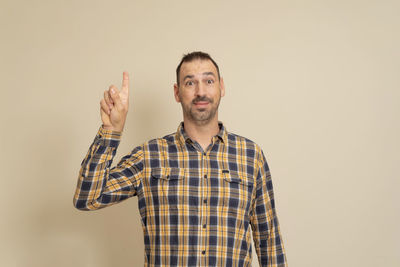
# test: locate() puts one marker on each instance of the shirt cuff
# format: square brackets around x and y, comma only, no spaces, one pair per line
[108,138]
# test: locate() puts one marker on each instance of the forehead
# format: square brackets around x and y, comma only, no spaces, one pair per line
[197,67]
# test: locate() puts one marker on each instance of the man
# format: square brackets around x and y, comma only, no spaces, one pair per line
[199,189]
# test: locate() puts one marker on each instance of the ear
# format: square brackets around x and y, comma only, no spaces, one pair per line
[222,86]
[176,93]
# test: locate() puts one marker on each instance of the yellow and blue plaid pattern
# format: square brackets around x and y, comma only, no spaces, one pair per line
[196,206]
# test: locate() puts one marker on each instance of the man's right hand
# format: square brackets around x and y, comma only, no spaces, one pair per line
[114,106]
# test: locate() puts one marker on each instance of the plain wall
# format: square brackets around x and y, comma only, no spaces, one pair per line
[315,83]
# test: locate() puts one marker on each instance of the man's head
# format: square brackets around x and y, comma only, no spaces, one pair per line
[199,87]
[194,56]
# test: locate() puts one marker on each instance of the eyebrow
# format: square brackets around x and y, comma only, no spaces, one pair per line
[188,77]
[204,74]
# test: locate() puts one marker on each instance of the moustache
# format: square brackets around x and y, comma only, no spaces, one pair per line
[202,99]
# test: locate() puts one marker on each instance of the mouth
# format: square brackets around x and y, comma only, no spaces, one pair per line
[201,103]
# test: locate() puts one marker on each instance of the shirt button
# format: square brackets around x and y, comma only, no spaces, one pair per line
[205,175]
[205,200]
[203,252]
[204,225]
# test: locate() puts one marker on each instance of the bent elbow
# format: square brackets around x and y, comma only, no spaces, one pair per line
[81,205]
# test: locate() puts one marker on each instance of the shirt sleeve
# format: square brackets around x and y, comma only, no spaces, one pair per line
[99,185]
[264,221]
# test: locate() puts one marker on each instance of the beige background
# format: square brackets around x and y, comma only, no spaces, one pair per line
[315,83]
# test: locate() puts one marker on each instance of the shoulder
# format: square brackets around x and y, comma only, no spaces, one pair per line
[252,148]
[166,140]
[235,140]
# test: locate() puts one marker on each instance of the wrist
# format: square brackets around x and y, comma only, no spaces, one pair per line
[112,128]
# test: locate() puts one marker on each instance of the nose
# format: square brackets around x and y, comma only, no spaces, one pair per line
[200,89]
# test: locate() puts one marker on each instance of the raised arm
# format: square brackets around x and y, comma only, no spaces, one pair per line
[99,185]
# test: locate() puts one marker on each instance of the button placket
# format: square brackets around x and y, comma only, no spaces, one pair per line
[204,183]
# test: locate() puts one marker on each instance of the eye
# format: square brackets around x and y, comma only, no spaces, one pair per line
[209,81]
[189,83]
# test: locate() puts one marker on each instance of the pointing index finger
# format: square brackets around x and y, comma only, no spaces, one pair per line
[125,81]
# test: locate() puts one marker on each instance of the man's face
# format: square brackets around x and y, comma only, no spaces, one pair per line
[199,90]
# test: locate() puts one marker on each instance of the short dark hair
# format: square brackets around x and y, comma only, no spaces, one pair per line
[194,56]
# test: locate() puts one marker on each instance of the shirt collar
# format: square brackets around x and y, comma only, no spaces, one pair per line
[182,136]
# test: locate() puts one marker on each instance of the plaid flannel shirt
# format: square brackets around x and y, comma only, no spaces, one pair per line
[196,206]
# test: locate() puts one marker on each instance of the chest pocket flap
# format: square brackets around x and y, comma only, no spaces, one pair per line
[166,173]
[236,177]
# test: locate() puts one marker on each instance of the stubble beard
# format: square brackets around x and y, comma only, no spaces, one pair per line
[201,116]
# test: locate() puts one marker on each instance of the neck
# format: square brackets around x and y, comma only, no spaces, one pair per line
[202,133]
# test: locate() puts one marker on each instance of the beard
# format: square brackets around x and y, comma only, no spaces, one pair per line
[201,115]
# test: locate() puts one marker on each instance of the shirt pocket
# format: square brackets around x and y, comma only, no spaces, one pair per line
[170,185]
[238,188]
